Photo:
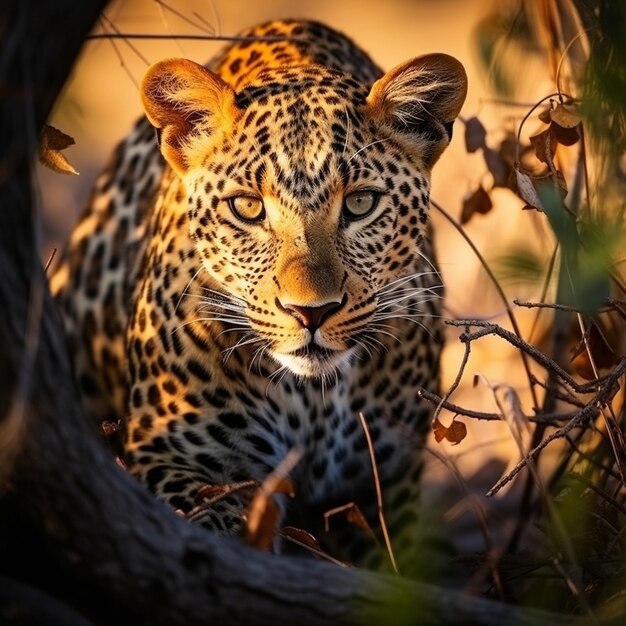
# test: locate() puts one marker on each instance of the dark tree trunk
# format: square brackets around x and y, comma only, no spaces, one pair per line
[80,541]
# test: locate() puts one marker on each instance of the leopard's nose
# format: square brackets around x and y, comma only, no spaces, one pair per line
[312,317]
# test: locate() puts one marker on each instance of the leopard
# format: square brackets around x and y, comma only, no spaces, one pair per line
[255,275]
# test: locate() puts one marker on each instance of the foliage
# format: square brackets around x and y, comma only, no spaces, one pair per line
[565,163]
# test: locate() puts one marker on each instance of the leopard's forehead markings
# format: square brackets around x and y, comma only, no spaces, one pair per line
[314,114]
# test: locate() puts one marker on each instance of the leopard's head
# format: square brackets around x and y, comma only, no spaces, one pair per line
[308,194]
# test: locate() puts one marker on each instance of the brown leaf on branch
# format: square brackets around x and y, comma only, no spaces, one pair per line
[544,145]
[565,136]
[527,187]
[527,191]
[302,537]
[264,513]
[51,142]
[455,433]
[211,493]
[565,116]
[353,515]
[565,123]
[544,116]
[439,430]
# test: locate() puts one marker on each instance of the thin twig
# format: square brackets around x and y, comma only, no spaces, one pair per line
[155,36]
[512,414]
[548,418]
[166,7]
[610,306]
[561,393]
[602,398]
[488,328]
[544,291]
[49,261]
[223,491]
[120,57]
[616,437]
[605,496]
[493,563]
[379,494]
[591,459]
[496,284]
[313,550]
[575,589]
[130,45]
[456,382]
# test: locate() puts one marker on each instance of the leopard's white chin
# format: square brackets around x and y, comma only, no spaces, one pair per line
[314,363]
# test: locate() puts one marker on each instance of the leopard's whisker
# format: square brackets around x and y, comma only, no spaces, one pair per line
[246,340]
[184,291]
[365,147]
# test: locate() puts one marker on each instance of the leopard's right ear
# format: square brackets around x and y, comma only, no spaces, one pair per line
[185,102]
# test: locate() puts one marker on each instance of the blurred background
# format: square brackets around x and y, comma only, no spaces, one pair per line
[100,103]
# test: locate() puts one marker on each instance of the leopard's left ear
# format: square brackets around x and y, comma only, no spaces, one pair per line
[185,101]
[421,98]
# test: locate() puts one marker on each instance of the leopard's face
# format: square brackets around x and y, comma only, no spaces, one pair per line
[307,204]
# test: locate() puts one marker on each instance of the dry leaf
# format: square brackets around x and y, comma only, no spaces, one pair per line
[262,521]
[457,431]
[208,492]
[356,517]
[511,406]
[544,144]
[527,187]
[561,183]
[286,486]
[565,136]
[439,430]
[476,202]
[475,134]
[51,142]
[263,513]
[527,191]
[566,116]
[301,536]
[545,115]
[565,124]
[353,515]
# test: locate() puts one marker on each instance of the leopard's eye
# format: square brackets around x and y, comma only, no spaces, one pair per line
[360,204]
[247,208]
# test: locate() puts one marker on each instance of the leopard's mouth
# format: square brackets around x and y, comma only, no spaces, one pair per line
[314,351]
[313,360]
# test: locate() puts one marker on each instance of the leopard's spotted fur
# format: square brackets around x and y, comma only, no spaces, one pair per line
[229,331]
